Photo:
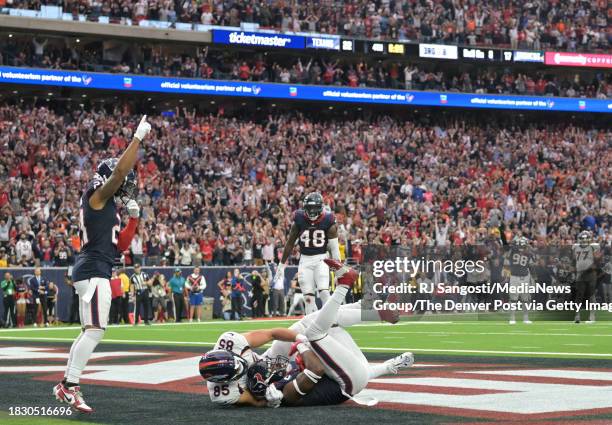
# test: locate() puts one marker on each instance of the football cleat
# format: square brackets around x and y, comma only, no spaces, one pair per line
[345,275]
[403,361]
[71,396]
[590,322]
[512,322]
[527,322]
[390,316]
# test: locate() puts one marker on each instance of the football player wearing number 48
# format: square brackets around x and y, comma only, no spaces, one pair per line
[102,239]
[316,231]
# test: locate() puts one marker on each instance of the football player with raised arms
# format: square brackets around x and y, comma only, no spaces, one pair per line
[102,239]
[518,261]
[316,231]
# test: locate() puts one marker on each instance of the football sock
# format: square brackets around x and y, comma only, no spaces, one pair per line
[81,352]
[350,317]
[327,315]
[310,305]
[379,369]
[324,295]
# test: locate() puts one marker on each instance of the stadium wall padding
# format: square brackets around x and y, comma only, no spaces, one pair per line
[212,275]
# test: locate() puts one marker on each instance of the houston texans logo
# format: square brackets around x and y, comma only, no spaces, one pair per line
[86,79]
[259,378]
[550,103]
[410,98]
[256,90]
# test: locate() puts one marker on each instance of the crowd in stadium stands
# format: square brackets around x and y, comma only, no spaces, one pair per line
[537,24]
[37,53]
[220,190]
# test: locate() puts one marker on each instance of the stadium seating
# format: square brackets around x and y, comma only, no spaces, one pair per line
[216,189]
[563,25]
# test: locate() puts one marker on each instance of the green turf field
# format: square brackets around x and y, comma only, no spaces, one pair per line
[540,339]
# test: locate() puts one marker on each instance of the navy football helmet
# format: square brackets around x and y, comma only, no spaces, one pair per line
[129,188]
[262,374]
[313,206]
[222,366]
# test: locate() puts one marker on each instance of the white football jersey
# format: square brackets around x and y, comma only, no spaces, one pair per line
[229,393]
[585,256]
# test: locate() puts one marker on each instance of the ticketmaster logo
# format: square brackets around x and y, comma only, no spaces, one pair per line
[258,40]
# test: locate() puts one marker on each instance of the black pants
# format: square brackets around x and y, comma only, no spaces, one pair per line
[115,309]
[125,301]
[257,304]
[43,307]
[142,299]
[237,307]
[51,308]
[9,311]
[179,306]
[74,309]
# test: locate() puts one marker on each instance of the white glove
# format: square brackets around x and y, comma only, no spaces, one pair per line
[301,338]
[143,129]
[274,396]
[133,209]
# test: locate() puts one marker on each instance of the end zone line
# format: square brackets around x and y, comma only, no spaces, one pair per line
[385,349]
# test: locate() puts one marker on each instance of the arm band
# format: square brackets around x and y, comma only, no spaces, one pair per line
[334,248]
[295,385]
[312,376]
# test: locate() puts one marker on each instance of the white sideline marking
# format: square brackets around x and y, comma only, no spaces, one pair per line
[385,349]
[210,322]
[515,333]
[552,373]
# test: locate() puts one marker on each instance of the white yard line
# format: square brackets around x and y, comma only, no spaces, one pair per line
[385,349]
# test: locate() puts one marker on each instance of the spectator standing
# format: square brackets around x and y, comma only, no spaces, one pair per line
[141,288]
[23,248]
[196,284]
[160,298]
[136,247]
[277,303]
[51,303]
[238,288]
[117,293]
[153,251]
[74,300]
[177,284]
[297,298]
[125,298]
[8,296]
[22,293]
[38,286]
[257,299]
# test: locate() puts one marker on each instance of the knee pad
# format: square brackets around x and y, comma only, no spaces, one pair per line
[94,334]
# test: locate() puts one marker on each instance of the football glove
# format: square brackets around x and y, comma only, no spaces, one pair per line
[133,209]
[143,129]
[274,396]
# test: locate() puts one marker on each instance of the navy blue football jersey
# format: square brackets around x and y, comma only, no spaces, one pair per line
[519,261]
[326,392]
[99,235]
[313,235]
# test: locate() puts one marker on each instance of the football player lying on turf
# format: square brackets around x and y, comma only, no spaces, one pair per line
[226,365]
[328,349]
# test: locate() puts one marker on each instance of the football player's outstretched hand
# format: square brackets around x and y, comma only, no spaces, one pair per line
[274,396]
[143,129]
[133,209]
